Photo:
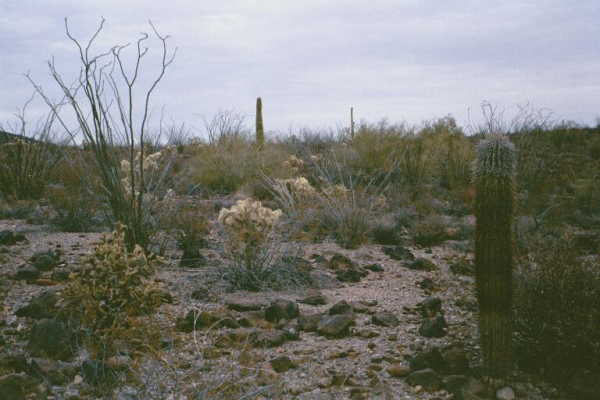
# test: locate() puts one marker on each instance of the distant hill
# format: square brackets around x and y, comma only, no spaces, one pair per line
[6,137]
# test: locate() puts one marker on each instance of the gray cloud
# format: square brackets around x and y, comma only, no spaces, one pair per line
[312,60]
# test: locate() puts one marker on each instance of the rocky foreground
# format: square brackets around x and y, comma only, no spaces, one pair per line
[381,322]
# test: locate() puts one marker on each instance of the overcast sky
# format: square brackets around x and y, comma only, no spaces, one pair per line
[309,60]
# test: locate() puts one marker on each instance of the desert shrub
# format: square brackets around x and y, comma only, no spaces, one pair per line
[186,220]
[450,152]
[256,259]
[112,291]
[74,197]
[27,159]
[556,307]
[386,231]
[430,231]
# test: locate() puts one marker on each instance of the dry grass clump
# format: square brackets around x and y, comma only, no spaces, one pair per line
[557,307]
[113,289]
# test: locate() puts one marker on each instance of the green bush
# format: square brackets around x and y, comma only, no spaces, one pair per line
[111,291]
[556,308]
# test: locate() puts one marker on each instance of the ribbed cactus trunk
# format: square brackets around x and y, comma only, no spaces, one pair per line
[260,133]
[494,183]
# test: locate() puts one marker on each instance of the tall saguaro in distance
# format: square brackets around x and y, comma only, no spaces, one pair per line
[260,133]
[494,183]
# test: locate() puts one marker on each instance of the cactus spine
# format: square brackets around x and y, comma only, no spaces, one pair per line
[494,183]
[260,133]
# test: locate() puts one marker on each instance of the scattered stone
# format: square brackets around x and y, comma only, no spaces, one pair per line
[282,364]
[340,262]
[433,327]
[42,306]
[399,370]
[374,267]
[245,305]
[399,253]
[430,358]
[52,338]
[60,274]
[430,307]
[8,238]
[426,284]
[353,274]
[341,307]
[428,379]
[27,273]
[200,320]
[45,260]
[507,393]
[367,333]
[422,264]
[335,326]
[281,309]
[309,323]
[315,299]
[201,294]
[386,319]
[269,338]
[368,303]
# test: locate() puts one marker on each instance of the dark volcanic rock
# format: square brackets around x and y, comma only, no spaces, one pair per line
[27,273]
[352,274]
[309,323]
[52,338]
[386,319]
[42,306]
[429,358]
[335,326]
[430,307]
[341,307]
[281,309]
[282,364]
[245,305]
[427,378]
[399,253]
[315,299]
[45,260]
[433,327]
[374,267]
[422,264]
[8,238]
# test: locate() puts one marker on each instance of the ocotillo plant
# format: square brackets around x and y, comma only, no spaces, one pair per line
[494,184]
[260,133]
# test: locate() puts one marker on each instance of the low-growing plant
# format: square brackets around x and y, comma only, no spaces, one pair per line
[556,307]
[113,290]
[257,259]
[27,159]
[430,231]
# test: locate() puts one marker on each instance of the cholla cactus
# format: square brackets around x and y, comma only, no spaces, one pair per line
[248,225]
[113,286]
[336,191]
[294,164]
[300,187]
[260,133]
[494,183]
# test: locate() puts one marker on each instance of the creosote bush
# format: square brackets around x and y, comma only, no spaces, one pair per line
[111,291]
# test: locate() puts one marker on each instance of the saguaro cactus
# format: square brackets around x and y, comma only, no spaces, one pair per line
[260,133]
[494,184]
